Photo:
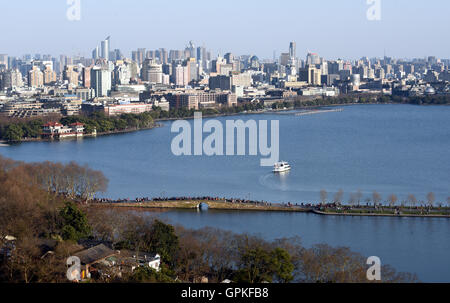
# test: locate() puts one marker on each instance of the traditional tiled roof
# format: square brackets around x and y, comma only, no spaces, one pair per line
[53,124]
[95,254]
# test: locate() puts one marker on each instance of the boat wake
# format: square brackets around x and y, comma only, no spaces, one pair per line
[275,181]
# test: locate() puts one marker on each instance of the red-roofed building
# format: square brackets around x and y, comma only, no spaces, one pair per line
[55,130]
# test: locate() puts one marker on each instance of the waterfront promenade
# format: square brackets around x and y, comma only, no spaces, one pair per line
[331,209]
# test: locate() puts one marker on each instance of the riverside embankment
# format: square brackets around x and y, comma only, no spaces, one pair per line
[327,210]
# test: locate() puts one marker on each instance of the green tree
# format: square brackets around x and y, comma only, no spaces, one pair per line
[13,133]
[282,266]
[146,274]
[75,225]
[258,265]
[161,239]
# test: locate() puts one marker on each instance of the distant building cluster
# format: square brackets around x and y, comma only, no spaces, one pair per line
[39,85]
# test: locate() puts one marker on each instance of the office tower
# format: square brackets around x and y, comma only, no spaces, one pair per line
[199,54]
[293,50]
[192,66]
[141,55]
[35,77]
[335,67]
[312,59]
[105,48]
[284,59]
[62,63]
[101,81]
[311,74]
[190,50]
[4,61]
[175,55]
[229,57]
[151,71]
[150,54]
[164,56]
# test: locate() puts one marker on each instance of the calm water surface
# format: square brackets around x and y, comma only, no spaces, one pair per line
[397,149]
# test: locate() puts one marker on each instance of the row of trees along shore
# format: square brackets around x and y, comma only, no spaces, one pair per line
[15,129]
[45,202]
[376,199]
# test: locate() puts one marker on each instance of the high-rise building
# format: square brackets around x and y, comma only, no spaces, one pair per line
[105,48]
[49,75]
[86,77]
[122,74]
[151,71]
[293,50]
[192,66]
[95,53]
[190,50]
[163,56]
[101,81]
[4,61]
[11,79]
[71,75]
[35,77]
[180,75]
[284,59]
[312,59]
[116,55]
[311,74]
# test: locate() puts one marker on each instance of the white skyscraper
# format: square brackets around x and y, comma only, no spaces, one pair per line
[101,81]
[105,48]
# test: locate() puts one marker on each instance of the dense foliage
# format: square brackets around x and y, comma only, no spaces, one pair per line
[362,99]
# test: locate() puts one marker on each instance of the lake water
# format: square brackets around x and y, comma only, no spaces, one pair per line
[399,149]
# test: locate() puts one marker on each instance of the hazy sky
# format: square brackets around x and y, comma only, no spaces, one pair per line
[334,29]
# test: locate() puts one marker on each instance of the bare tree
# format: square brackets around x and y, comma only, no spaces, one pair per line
[431,198]
[392,200]
[352,201]
[412,200]
[323,196]
[359,196]
[376,197]
[338,197]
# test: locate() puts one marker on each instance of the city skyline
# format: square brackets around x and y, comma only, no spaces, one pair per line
[255,30]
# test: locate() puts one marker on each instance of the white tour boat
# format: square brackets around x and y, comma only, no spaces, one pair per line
[281,167]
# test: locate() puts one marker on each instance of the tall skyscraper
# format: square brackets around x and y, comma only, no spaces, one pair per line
[293,50]
[101,81]
[105,48]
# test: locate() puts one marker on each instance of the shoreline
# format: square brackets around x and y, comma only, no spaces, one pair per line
[228,206]
[260,112]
